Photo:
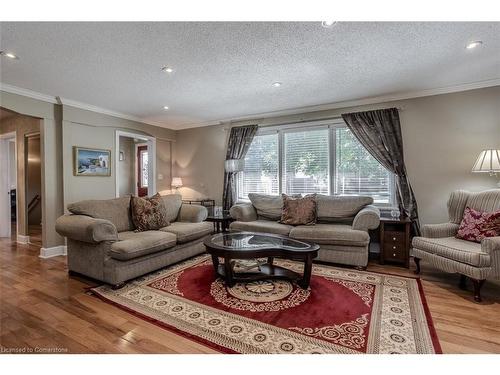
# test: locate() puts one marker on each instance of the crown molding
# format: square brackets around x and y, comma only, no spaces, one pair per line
[104,111]
[352,103]
[28,93]
[73,103]
[315,108]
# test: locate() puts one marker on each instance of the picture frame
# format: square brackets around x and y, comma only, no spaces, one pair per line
[91,162]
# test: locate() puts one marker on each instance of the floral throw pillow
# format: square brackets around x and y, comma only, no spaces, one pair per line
[148,213]
[477,225]
[299,211]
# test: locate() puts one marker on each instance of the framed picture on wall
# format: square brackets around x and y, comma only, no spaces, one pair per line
[91,161]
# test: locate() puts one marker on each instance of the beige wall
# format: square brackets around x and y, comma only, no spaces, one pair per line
[94,130]
[23,126]
[442,137]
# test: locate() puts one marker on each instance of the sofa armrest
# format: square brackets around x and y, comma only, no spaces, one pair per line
[439,230]
[243,212]
[367,218]
[86,229]
[490,245]
[193,213]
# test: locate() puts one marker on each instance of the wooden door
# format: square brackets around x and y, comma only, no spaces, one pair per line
[142,171]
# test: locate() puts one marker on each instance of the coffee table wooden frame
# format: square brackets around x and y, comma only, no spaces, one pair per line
[267,270]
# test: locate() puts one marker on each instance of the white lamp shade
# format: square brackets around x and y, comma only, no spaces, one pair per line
[176,182]
[234,165]
[487,161]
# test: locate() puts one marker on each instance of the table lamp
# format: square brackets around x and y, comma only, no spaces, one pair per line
[488,161]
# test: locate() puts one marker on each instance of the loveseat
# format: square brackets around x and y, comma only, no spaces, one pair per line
[341,230]
[441,249]
[102,244]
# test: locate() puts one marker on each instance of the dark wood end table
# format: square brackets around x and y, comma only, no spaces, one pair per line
[395,240]
[221,222]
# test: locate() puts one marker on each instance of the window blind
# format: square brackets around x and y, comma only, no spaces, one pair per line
[357,172]
[305,162]
[260,174]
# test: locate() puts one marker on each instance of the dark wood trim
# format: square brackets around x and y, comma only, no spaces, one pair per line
[417,263]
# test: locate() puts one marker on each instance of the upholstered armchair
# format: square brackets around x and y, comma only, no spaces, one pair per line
[439,246]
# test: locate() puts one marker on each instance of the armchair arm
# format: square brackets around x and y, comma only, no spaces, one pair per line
[439,230]
[367,218]
[243,212]
[86,229]
[490,245]
[193,213]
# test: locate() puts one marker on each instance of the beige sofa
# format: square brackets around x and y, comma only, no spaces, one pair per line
[102,244]
[341,230]
[439,247]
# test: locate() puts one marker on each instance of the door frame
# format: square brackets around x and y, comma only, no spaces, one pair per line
[151,143]
[5,218]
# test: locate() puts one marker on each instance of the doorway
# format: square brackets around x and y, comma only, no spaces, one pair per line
[136,164]
[8,185]
[33,170]
[142,176]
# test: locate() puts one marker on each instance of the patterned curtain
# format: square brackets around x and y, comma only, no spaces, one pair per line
[239,142]
[380,133]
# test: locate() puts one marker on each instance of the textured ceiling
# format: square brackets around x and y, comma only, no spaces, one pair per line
[225,70]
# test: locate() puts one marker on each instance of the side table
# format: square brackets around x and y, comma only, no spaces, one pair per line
[395,240]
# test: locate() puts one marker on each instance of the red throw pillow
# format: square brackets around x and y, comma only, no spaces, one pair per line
[477,225]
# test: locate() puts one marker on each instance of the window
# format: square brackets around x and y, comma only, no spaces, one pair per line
[144,168]
[357,172]
[325,159]
[305,161]
[261,168]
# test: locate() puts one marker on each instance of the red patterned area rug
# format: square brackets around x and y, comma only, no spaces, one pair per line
[344,311]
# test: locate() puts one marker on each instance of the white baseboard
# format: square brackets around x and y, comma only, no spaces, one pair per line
[49,252]
[23,239]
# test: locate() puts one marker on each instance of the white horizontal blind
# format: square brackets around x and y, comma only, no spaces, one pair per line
[305,161]
[261,167]
[357,172]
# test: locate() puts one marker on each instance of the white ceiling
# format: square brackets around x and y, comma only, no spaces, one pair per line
[224,70]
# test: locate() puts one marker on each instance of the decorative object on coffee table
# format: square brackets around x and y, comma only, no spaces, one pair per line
[395,240]
[249,245]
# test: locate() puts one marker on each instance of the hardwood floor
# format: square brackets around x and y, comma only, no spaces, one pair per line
[41,307]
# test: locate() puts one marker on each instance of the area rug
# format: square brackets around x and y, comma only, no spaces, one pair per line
[344,311]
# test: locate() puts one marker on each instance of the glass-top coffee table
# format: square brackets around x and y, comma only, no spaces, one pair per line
[237,246]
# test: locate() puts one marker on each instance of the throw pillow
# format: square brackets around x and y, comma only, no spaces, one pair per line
[299,211]
[477,225]
[149,213]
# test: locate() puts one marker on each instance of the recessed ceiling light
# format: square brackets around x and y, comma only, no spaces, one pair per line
[165,107]
[328,24]
[167,69]
[8,54]
[474,44]
[276,84]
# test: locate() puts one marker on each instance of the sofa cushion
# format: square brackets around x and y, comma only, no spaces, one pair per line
[267,206]
[333,207]
[149,213]
[299,211]
[173,203]
[135,244]
[263,226]
[186,232]
[115,210]
[331,234]
[454,249]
